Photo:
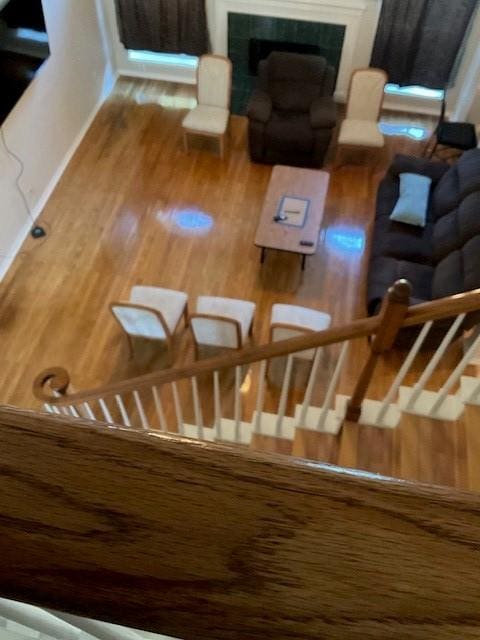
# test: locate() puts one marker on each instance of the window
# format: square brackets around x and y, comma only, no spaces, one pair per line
[179,60]
[414,92]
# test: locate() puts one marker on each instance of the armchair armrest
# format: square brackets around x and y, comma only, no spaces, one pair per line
[323,113]
[259,106]
[423,166]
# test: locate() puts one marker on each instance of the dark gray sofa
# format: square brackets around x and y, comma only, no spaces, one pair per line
[441,259]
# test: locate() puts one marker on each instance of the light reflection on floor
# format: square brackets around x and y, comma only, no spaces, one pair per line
[416,132]
[189,220]
[345,240]
[165,101]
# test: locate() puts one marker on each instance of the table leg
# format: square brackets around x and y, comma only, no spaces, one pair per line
[262,255]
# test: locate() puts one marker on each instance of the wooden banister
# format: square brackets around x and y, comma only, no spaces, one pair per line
[202,541]
[443,308]
[416,315]
[393,312]
[357,329]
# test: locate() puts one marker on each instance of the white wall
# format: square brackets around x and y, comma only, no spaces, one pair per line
[50,119]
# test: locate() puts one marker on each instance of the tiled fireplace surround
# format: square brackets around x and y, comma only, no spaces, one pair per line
[344,28]
[242,27]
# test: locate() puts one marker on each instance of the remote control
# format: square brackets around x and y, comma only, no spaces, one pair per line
[306,243]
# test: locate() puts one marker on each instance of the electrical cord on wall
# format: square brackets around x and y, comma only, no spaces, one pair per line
[36,231]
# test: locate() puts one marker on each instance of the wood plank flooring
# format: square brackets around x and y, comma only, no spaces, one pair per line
[134,208]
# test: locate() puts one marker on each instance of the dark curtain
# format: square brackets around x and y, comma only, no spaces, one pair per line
[164,26]
[417,41]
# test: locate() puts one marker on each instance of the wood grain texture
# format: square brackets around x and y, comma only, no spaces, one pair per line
[201,541]
[300,183]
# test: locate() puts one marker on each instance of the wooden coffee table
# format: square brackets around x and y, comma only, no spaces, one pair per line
[304,184]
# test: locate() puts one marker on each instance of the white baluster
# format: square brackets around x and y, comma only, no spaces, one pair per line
[48,407]
[39,620]
[257,428]
[141,411]
[402,372]
[332,387]
[123,410]
[88,411]
[178,408]
[237,408]
[282,405]
[73,411]
[159,409]
[217,405]
[197,408]
[56,409]
[432,365]
[307,398]
[455,376]
[106,413]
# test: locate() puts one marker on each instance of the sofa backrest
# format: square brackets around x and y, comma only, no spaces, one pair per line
[455,205]
[456,232]
[294,80]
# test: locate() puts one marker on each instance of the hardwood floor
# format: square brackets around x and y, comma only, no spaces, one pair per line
[134,208]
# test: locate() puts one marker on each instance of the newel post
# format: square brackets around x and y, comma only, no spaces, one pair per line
[51,383]
[391,317]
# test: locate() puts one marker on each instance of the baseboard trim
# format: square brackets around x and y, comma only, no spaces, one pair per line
[50,188]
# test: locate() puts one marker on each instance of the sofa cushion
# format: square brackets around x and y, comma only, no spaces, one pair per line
[289,131]
[384,271]
[389,191]
[411,164]
[461,180]
[402,241]
[459,271]
[454,229]
[468,168]
[387,196]
[411,207]
[446,194]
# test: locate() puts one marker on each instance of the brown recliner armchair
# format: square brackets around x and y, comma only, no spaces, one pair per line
[292,112]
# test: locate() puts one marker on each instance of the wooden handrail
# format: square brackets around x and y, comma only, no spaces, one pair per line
[357,329]
[202,541]
[416,315]
[443,308]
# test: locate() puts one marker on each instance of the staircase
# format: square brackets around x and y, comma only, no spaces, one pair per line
[19,621]
[265,398]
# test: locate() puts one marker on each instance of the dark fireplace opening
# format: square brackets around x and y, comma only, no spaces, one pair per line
[261,48]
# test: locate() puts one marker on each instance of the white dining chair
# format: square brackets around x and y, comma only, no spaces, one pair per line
[221,322]
[152,313]
[364,103]
[289,321]
[214,88]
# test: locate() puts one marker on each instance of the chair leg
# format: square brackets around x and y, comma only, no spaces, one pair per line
[171,352]
[131,347]
[186,317]
[432,152]
[338,158]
